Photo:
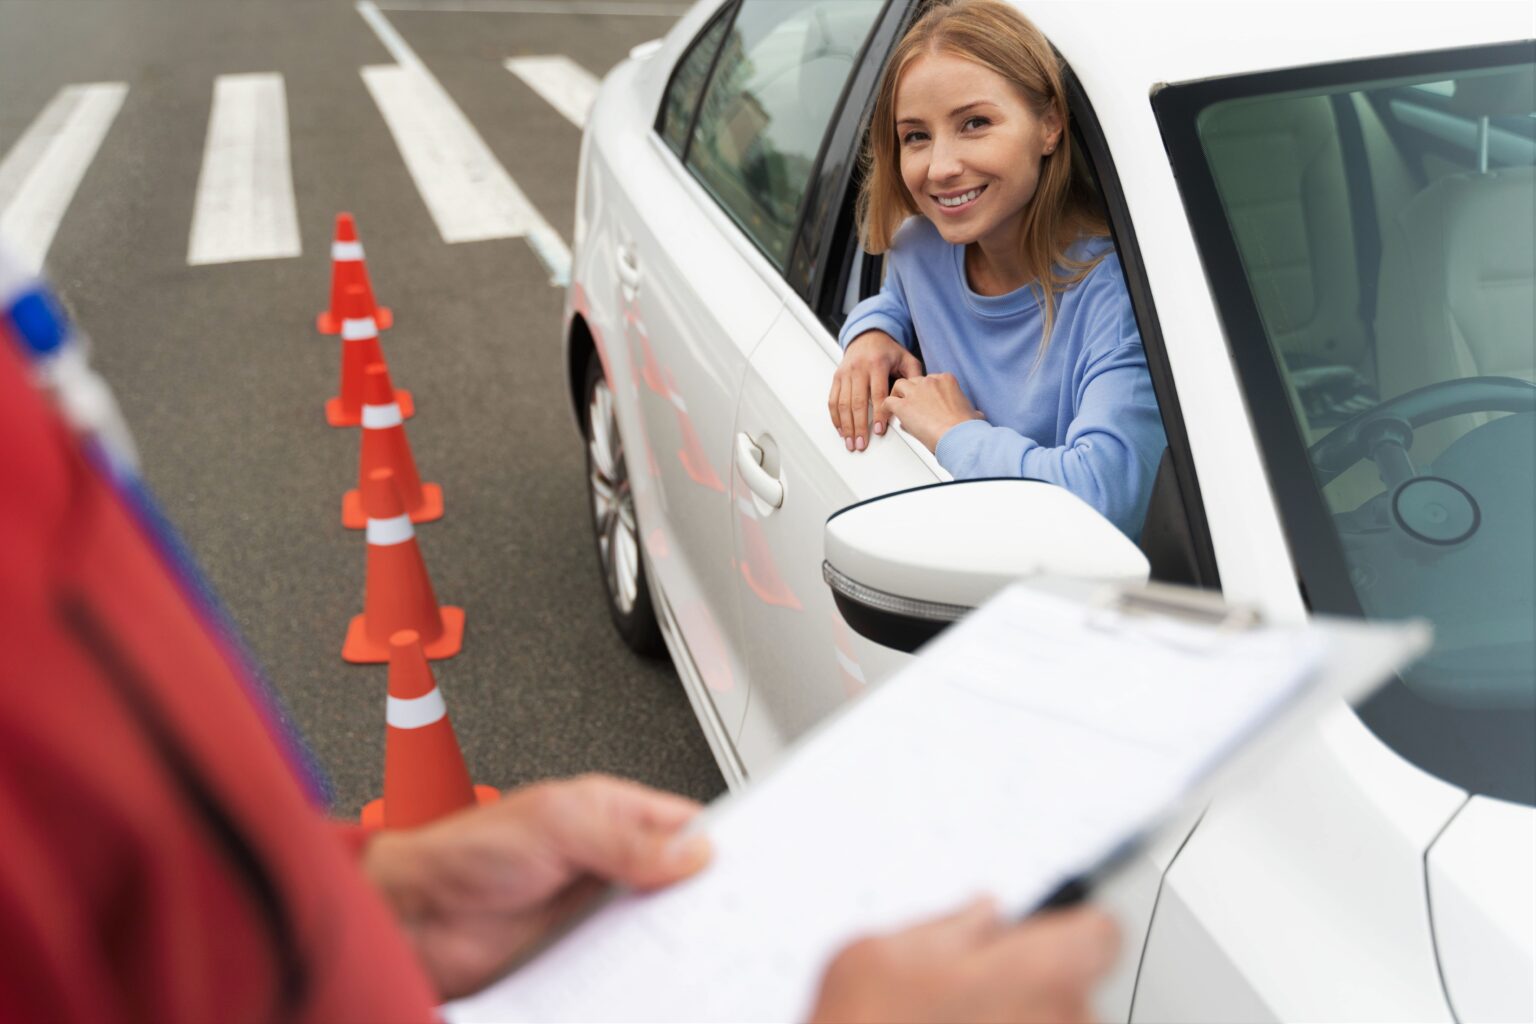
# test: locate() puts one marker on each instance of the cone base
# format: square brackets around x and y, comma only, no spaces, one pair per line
[360,649]
[330,323]
[336,416]
[429,511]
[373,810]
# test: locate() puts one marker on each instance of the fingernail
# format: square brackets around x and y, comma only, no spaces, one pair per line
[689,850]
[849,442]
[879,428]
[860,444]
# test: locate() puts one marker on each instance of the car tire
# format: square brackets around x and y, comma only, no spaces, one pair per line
[615,530]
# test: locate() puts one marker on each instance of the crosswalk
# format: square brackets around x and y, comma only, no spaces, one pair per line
[40,174]
[244,206]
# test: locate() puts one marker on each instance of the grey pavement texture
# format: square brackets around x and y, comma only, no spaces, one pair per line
[223,376]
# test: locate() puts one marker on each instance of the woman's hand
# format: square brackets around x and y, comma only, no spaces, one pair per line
[973,966]
[479,888]
[929,406]
[862,382]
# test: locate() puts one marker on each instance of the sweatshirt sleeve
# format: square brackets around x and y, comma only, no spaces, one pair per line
[1113,443]
[886,311]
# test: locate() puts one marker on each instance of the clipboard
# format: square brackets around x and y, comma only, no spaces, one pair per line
[1019,753]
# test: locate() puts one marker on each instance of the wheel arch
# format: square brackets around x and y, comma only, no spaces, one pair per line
[580,346]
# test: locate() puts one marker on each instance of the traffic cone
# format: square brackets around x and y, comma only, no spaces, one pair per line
[385,447]
[424,773]
[348,268]
[398,594]
[359,350]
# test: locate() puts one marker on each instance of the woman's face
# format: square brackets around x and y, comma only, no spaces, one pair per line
[970,147]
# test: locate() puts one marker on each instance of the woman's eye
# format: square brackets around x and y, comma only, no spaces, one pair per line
[976,122]
[913,137]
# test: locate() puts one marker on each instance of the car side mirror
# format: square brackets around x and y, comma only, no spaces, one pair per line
[904,566]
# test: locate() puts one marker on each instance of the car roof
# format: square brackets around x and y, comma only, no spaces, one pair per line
[1142,45]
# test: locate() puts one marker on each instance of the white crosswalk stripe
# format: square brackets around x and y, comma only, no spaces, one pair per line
[245,207]
[469,194]
[564,84]
[40,174]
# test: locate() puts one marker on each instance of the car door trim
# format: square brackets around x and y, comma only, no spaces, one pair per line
[1122,229]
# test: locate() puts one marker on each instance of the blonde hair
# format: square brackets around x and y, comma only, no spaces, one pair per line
[1065,205]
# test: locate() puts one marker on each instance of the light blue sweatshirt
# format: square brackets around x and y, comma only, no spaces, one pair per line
[1084,418]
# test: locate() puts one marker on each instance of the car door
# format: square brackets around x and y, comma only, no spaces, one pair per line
[791,473]
[694,297]
[701,275]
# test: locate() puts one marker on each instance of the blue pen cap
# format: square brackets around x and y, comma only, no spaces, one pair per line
[39,322]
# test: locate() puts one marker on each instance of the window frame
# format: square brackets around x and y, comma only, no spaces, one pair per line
[1321,569]
[1397,715]
[826,281]
[727,14]
[731,10]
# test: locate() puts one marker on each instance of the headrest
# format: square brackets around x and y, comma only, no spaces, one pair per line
[1496,94]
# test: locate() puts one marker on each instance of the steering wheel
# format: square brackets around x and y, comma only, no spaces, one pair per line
[1385,433]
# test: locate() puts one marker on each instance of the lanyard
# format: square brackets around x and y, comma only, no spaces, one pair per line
[30,313]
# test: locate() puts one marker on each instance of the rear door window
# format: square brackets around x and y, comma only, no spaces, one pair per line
[687,84]
[774,89]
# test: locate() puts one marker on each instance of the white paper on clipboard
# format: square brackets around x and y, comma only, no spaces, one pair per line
[1022,748]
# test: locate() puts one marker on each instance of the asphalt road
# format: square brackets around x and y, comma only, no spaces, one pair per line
[222,374]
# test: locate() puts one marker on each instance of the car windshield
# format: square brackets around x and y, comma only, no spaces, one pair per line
[1368,230]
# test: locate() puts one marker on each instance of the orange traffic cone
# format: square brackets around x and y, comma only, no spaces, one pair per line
[385,447]
[398,594]
[359,350]
[424,773]
[348,268]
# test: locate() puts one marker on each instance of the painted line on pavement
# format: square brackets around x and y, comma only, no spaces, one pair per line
[579,7]
[469,194]
[245,208]
[40,174]
[564,84]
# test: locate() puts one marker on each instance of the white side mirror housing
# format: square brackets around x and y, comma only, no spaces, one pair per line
[905,565]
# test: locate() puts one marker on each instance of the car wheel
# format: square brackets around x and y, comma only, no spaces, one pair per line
[614,527]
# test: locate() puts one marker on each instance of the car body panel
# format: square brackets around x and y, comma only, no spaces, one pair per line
[791,630]
[1300,897]
[1482,894]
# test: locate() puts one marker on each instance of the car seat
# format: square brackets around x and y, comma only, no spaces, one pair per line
[1458,274]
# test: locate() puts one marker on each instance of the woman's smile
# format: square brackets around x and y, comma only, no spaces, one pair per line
[953,203]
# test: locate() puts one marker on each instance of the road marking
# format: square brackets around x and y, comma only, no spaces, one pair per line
[469,194]
[40,174]
[587,7]
[564,84]
[245,208]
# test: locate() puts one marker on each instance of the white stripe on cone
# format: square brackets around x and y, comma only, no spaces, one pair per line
[416,712]
[359,330]
[346,251]
[388,532]
[382,417]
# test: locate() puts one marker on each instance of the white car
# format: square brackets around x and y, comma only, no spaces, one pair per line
[1325,216]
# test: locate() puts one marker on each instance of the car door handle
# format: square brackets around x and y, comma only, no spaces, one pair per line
[629,266]
[749,463]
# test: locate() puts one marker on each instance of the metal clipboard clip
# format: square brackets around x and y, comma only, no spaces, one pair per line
[1183,617]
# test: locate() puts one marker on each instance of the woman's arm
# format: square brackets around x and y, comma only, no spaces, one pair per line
[882,328]
[1111,448]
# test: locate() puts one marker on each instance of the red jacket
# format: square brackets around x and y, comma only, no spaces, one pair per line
[158,858]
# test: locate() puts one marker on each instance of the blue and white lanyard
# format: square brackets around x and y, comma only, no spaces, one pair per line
[58,359]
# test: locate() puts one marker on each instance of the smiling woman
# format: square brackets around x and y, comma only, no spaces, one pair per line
[1035,367]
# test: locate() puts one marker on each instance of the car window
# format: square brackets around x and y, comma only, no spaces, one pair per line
[773,92]
[687,84]
[1382,313]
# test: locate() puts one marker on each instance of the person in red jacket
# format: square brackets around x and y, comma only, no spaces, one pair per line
[160,858]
